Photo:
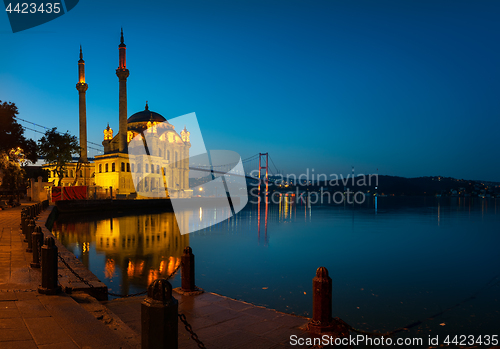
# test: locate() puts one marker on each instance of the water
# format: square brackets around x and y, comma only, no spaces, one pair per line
[410,258]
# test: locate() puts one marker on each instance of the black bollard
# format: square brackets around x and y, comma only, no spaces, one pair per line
[37,237]
[49,268]
[31,228]
[24,225]
[187,270]
[159,311]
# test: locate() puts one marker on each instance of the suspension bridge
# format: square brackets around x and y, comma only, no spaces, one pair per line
[251,165]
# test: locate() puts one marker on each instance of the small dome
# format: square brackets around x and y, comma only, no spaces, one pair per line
[145,116]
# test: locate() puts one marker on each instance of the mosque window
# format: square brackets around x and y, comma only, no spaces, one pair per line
[128,167]
[123,167]
[113,167]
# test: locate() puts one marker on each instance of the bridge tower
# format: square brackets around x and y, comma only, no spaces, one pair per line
[82,87]
[261,155]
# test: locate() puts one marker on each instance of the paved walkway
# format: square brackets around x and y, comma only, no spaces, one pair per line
[221,322]
[31,320]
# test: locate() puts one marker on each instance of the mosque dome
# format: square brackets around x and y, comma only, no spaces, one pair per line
[145,116]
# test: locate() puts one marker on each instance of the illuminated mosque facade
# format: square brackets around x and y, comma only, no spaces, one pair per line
[118,171]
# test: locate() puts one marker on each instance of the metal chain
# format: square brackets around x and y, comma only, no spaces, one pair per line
[109,293]
[74,272]
[188,327]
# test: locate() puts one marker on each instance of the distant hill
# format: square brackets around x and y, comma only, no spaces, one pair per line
[393,185]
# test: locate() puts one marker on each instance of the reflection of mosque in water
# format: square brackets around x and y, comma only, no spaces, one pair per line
[139,249]
[143,247]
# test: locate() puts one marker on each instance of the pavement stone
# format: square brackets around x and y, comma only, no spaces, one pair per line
[31,320]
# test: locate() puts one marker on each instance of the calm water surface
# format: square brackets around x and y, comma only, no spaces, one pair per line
[404,261]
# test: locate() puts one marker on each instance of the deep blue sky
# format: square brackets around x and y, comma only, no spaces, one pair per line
[409,87]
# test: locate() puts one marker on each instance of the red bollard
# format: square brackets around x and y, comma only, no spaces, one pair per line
[322,297]
[188,287]
[187,270]
[322,321]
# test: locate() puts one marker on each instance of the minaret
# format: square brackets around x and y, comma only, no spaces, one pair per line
[82,87]
[122,73]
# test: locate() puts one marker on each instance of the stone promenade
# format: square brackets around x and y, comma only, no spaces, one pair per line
[31,320]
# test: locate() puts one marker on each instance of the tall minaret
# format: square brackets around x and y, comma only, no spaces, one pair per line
[82,87]
[122,73]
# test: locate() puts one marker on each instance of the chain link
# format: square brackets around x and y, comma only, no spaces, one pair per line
[74,272]
[188,327]
[86,282]
[182,317]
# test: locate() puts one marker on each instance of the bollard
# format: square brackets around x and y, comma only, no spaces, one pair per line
[322,320]
[159,311]
[187,270]
[49,268]
[322,297]
[24,225]
[37,237]
[31,228]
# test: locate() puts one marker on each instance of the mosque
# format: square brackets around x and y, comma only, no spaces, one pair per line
[119,173]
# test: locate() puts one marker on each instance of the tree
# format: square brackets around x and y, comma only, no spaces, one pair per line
[58,149]
[15,150]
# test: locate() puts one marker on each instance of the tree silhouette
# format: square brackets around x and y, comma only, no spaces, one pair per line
[58,149]
[15,150]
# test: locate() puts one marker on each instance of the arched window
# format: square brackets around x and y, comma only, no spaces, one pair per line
[175,159]
[146,167]
[139,169]
[113,167]
[157,168]
[128,167]
[123,167]
[106,168]
[100,168]
[132,167]
[168,155]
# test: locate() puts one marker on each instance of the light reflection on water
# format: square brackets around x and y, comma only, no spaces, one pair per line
[392,262]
